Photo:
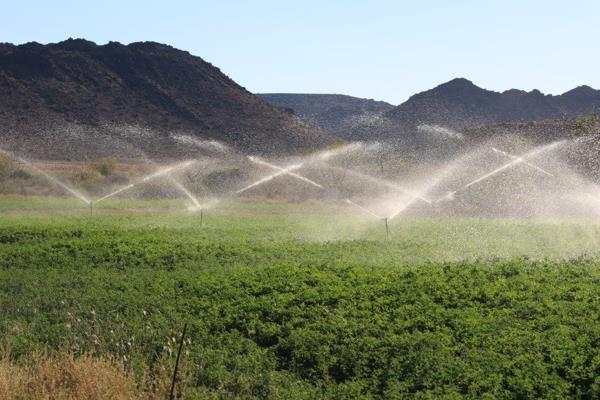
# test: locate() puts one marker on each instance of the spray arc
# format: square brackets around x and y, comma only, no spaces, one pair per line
[515,161]
[155,175]
[75,193]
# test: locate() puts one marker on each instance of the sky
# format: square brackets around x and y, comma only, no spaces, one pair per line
[385,50]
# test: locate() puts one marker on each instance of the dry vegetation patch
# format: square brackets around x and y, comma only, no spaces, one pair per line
[65,377]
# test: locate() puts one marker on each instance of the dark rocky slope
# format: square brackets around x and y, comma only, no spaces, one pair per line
[76,99]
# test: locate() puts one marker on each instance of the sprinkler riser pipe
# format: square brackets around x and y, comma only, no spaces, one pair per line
[387,228]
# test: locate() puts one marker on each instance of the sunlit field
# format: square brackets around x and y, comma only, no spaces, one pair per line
[305,300]
[303,200]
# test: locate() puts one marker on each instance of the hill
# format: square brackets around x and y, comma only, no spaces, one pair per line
[76,99]
[333,113]
[459,103]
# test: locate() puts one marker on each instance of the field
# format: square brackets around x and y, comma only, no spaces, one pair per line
[302,301]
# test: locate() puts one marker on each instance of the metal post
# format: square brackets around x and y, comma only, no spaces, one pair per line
[172,391]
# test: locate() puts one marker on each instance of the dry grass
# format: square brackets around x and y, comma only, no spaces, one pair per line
[62,377]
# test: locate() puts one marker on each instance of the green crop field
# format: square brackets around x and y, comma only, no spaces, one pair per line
[304,301]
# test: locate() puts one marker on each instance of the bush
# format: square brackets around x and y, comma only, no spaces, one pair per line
[105,166]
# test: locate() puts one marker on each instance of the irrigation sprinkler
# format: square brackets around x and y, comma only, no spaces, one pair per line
[188,194]
[371,213]
[199,208]
[172,179]
[387,228]
[91,208]
[382,182]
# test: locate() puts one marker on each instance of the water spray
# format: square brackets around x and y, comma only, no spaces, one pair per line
[124,188]
[371,213]
[209,145]
[515,161]
[180,187]
[269,178]
[327,154]
[49,177]
[383,182]
[285,171]
[364,209]
[398,211]
[315,157]
[199,208]
[543,171]
[168,170]
[281,171]
[157,174]
[189,194]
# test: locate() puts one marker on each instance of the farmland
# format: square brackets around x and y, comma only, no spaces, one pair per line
[299,301]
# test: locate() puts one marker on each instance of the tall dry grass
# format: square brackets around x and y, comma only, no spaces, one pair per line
[63,377]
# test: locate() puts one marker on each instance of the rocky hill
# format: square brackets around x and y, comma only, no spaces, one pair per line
[460,103]
[333,113]
[76,99]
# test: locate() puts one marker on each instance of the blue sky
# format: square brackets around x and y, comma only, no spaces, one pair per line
[387,50]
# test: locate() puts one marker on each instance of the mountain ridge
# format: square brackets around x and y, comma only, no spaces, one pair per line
[456,104]
[460,103]
[80,85]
